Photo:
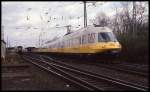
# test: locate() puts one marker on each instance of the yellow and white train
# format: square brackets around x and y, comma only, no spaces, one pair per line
[89,40]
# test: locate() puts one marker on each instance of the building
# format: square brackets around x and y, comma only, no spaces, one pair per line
[11,49]
[3,46]
[29,49]
[3,50]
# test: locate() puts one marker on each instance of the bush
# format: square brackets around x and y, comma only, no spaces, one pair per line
[134,47]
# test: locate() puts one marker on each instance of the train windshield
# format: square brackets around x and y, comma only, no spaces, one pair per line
[106,37]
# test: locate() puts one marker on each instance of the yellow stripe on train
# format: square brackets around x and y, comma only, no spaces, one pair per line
[87,48]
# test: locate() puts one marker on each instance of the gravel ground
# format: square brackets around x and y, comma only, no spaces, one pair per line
[38,80]
[108,72]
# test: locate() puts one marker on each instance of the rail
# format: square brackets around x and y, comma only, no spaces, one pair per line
[64,68]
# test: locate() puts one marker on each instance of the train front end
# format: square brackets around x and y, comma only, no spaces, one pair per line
[108,43]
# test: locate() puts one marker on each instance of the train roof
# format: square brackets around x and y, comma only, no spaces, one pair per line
[19,46]
[30,47]
[88,29]
[99,29]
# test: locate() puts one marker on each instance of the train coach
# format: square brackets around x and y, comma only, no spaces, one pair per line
[89,40]
[19,49]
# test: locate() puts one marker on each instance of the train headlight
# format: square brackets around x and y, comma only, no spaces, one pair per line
[103,46]
[119,46]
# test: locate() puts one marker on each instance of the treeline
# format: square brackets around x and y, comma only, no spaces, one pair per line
[131,27]
[130,24]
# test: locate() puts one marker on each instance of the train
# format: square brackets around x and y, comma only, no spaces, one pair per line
[85,41]
[19,49]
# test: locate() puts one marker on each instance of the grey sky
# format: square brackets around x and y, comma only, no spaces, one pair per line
[45,16]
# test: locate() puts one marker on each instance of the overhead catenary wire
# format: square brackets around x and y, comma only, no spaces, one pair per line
[50,19]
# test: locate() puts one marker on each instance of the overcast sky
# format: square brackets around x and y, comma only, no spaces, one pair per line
[24,21]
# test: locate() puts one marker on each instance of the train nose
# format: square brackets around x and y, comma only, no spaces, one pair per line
[119,46]
[103,46]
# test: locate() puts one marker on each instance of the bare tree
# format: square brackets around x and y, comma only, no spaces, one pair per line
[142,14]
[101,20]
[132,18]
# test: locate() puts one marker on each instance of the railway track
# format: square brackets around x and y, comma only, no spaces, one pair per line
[127,68]
[139,67]
[82,78]
[123,68]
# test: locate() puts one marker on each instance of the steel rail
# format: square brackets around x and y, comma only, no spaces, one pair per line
[119,68]
[142,68]
[122,82]
[116,81]
[69,77]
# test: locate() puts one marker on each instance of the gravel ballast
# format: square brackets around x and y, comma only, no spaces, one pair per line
[37,80]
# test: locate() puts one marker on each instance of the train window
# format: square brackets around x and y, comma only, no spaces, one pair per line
[77,41]
[59,45]
[91,38]
[73,42]
[68,43]
[106,36]
[56,45]
[80,40]
[84,39]
[63,44]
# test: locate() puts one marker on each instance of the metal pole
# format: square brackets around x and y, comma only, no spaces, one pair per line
[7,42]
[85,15]
[2,32]
[39,40]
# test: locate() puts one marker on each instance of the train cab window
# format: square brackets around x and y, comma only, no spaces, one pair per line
[106,36]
